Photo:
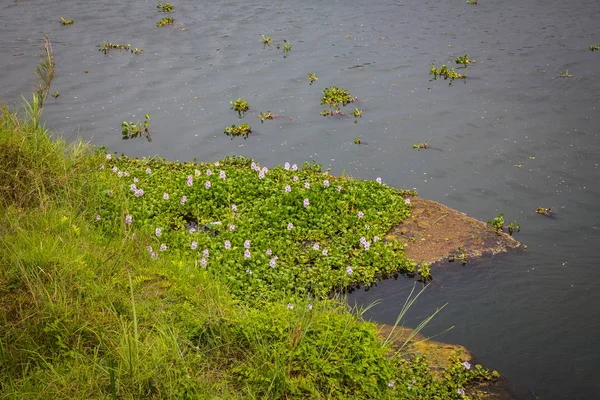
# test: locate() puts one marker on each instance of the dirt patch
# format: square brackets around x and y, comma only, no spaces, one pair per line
[437,356]
[434,231]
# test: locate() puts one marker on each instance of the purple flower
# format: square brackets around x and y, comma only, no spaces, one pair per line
[247,244]
[290,226]
[367,245]
[163,247]
[294,167]
[461,392]
[295,179]
[108,156]
[154,256]
[290,306]
[119,174]
[261,175]
[307,185]
[208,172]
[253,165]
[205,253]
[375,239]
[192,230]
[132,187]
[148,171]
[310,307]
[269,252]
[139,192]
[128,219]
[217,164]
[407,201]
[339,188]
[287,166]
[326,183]
[316,246]
[222,174]
[227,245]
[158,232]
[115,169]
[166,196]
[135,180]
[233,207]
[361,214]
[306,203]
[363,240]
[391,384]
[207,185]
[97,218]
[273,262]
[288,188]
[149,248]
[324,252]
[246,254]
[349,270]
[194,245]
[231,228]
[467,365]
[265,170]
[190,181]
[378,180]
[203,262]
[183,199]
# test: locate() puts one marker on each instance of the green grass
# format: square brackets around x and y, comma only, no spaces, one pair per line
[88,312]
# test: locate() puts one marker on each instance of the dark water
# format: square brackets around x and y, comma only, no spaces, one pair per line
[534,315]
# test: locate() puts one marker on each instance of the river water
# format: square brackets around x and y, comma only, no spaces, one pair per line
[533,315]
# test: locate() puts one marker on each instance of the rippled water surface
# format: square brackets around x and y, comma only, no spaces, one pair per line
[533,315]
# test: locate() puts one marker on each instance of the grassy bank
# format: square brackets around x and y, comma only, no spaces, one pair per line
[125,278]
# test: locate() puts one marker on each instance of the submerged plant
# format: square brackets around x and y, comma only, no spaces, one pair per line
[65,22]
[593,48]
[238,130]
[106,47]
[167,7]
[420,145]
[164,22]
[464,60]
[240,105]
[266,116]
[266,40]
[445,73]
[312,77]
[132,130]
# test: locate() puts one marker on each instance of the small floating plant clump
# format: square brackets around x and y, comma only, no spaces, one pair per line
[287,47]
[463,60]
[266,40]
[335,98]
[240,105]
[167,7]
[357,140]
[164,22]
[132,130]
[65,22]
[544,211]
[356,113]
[312,78]
[594,48]
[498,225]
[472,2]
[565,74]
[238,130]
[55,95]
[106,47]
[420,145]
[445,73]
[266,116]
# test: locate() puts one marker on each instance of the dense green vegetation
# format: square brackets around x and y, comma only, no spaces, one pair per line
[127,278]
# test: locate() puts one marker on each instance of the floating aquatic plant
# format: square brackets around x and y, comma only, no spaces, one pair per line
[106,47]
[335,98]
[135,50]
[312,77]
[55,94]
[167,7]
[240,105]
[420,145]
[445,73]
[266,40]
[266,116]
[472,2]
[286,46]
[464,60]
[544,211]
[565,74]
[357,140]
[132,130]
[356,113]
[165,21]
[65,22]
[498,225]
[594,48]
[238,130]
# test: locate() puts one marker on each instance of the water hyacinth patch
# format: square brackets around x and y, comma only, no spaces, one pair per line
[289,212]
